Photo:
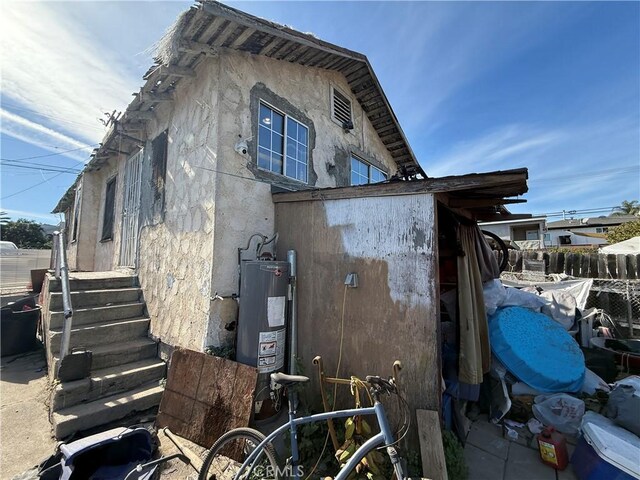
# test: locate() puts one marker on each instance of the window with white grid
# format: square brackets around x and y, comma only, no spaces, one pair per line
[363,173]
[283,144]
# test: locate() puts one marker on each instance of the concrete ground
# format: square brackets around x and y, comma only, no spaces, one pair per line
[26,437]
[490,456]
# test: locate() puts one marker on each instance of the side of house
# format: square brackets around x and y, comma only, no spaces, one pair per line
[174,197]
[524,232]
[584,231]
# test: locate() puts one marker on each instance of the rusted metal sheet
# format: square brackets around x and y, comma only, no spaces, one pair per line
[206,396]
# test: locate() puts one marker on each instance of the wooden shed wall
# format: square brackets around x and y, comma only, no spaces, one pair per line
[391,243]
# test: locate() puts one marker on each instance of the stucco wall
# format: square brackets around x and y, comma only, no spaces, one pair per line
[176,253]
[215,198]
[80,252]
[390,242]
[107,252]
[576,239]
[244,206]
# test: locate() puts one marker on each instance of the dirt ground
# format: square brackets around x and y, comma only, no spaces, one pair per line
[26,436]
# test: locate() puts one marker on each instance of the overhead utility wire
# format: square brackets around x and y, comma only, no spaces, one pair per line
[53,117]
[52,154]
[44,169]
[31,187]
[36,164]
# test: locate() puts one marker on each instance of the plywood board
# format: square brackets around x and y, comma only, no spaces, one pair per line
[206,396]
[431,449]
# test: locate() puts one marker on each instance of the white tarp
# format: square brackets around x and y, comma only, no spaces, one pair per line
[631,246]
[579,289]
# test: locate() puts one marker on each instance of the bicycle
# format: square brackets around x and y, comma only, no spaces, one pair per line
[257,456]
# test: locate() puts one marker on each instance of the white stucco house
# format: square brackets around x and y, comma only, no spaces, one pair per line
[235,108]
[526,233]
[583,231]
[244,126]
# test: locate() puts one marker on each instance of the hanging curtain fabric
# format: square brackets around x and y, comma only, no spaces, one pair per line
[487,261]
[475,353]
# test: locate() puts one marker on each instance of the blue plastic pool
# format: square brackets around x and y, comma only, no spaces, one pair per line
[537,350]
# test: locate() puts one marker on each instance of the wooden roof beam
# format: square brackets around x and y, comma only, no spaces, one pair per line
[482,202]
[176,71]
[196,48]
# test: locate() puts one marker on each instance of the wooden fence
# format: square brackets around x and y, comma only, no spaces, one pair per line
[584,265]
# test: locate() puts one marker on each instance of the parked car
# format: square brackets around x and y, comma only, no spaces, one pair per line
[8,248]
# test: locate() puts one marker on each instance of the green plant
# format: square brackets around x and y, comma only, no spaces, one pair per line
[624,232]
[627,207]
[228,352]
[454,457]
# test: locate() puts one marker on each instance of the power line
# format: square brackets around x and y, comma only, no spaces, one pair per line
[35,164]
[44,169]
[31,187]
[51,154]
[53,117]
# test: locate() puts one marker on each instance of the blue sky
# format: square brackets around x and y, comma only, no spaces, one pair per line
[477,86]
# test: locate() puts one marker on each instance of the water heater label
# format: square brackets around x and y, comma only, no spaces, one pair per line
[275,311]
[271,351]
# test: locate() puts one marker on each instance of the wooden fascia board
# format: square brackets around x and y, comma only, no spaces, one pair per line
[482,202]
[430,185]
[250,21]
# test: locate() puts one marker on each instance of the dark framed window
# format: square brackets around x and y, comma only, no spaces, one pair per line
[109,210]
[76,213]
[282,144]
[159,164]
[363,172]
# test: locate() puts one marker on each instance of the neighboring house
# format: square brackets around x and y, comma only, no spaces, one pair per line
[526,233]
[245,126]
[583,231]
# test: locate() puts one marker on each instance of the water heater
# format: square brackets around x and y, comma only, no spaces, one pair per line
[262,320]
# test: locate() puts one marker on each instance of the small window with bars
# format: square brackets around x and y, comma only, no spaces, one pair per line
[109,210]
[363,172]
[341,109]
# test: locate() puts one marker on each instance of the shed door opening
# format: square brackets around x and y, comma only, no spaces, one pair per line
[130,211]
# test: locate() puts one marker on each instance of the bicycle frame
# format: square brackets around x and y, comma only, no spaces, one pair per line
[385,437]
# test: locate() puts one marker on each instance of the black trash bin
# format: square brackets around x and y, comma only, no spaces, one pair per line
[18,328]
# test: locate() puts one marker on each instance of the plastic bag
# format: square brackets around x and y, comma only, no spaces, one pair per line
[494,294]
[561,411]
[593,382]
[624,405]
[519,298]
[561,307]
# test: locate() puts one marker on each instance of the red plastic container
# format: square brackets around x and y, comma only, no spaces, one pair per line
[553,448]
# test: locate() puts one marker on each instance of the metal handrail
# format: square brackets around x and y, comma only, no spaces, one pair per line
[62,274]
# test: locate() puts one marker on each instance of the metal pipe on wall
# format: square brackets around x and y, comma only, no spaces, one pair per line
[62,273]
[293,342]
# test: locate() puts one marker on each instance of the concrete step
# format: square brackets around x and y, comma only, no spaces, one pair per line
[114,354]
[115,331]
[88,316]
[96,282]
[95,298]
[99,412]
[106,382]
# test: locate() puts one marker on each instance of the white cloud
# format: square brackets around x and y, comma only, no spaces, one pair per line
[41,217]
[31,132]
[501,149]
[52,64]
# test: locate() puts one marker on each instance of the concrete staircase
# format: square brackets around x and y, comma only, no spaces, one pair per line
[109,319]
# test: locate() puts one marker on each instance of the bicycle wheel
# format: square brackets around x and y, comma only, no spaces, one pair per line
[228,453]
[500,247]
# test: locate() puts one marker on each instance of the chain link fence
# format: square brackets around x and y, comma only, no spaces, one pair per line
[620,299]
